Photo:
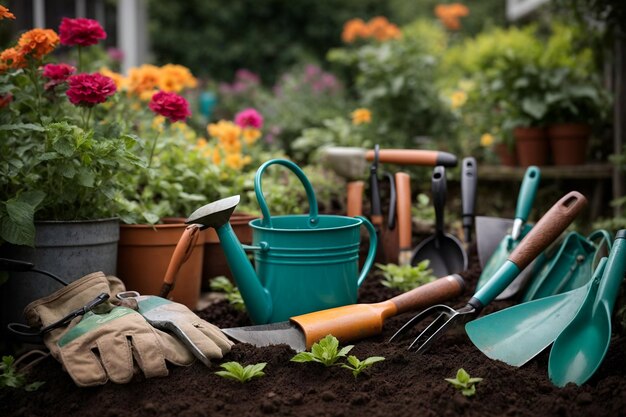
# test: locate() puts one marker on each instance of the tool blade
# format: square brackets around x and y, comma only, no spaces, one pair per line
[269,334]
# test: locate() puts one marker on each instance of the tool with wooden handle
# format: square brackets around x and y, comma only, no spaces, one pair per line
[403,191]
[347,323]
[551,225]
[413,157]
[182,252]
[354,204]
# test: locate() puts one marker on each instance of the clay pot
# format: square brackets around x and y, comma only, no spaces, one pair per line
[531,144]
[144,253]
[506,155]
[214,260]
[569,143]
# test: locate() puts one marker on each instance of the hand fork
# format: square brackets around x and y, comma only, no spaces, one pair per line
[551,225]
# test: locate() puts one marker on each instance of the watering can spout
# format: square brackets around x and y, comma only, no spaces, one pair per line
[217,214]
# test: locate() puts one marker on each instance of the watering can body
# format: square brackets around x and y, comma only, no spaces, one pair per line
[304,263]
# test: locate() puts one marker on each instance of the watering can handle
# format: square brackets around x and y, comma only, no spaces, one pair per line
[371,253]
[310,194]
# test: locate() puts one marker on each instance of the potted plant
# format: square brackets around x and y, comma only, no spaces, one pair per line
[575,105]
[60,167]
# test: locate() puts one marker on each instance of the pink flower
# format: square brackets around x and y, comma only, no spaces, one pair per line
[115,54]
[170,105]
[90,89]
[80,32]
[249,118]
[57,74]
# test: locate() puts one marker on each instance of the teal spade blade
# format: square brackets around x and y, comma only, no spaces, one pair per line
[519,333]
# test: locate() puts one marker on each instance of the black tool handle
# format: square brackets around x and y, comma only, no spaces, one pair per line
[439,191]
[376,213]
[392,201]
[469,178]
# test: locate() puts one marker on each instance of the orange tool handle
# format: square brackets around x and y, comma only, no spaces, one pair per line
[413,157]
[182,252]
[403,192]
[354,204]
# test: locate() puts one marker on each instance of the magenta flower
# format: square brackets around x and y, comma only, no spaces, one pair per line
[89,89]
[170,105]
[57,74]
[249,118]
[80,32]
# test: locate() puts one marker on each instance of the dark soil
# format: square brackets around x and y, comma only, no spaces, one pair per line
[405,384]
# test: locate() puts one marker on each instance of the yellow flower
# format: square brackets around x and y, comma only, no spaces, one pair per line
[227,133]
[458,99]
[251,135]
[143,80]
[236,160]
[201,143]
[486,140]
[360,116]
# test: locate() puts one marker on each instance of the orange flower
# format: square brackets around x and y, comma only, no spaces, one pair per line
[175,78]
[382,30]
[354,29]
[361,116]
[5,13]
[251,135]
[38,42]
[143,81]
[119,80]
[13,58]
[449,14]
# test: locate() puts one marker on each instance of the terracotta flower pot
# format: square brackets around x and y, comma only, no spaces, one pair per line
[569,143]
[214,259]
[506,155]
[531,144]
[143,256]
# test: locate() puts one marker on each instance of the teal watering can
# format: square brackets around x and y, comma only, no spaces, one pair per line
[304,263]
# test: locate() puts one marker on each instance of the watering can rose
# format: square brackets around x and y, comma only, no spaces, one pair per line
[170,105]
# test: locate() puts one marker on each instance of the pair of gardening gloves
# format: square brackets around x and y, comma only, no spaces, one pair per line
[112,340]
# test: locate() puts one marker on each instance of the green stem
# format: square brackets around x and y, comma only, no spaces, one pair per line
[154,142]
[80,59]
[86,125]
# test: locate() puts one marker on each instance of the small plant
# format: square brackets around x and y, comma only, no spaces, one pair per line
[406,277]
[326,351]
[10,377]
[235,371]
[233,296]
[357,366]
[464,382]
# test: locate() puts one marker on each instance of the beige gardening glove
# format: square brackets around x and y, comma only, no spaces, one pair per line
[202,338]
[105,344]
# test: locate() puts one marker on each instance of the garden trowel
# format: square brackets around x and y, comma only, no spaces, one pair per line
[347,323]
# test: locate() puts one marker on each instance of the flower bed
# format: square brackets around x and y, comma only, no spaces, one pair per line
[404,384]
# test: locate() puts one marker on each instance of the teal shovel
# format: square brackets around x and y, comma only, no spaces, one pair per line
[579,350]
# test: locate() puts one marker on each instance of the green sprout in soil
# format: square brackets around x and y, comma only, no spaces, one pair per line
[326,352]
[10,377]
[406,277]
[233,296]
[357,366]
[464,382]
[235,371]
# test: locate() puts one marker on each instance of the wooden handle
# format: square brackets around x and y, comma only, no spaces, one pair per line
[438,291]
[403,192]
[183,250]
[548,228]
[354,204]
[405,156]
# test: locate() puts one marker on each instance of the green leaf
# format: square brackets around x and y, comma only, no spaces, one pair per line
[34,386]
[64,147]
[32,198]
[22,127]
[353,360]
[534,107]
[372,360]
[18,226]
[303,357]
[344,351]
[86,177]
[468,392]
[462,376]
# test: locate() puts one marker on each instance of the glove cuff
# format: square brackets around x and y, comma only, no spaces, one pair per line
[57,305]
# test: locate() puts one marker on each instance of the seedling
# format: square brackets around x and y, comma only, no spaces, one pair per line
[326,351]
[233,296]
[10,377]
[235,371]
[406,277]
[357,366]
[464,382]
